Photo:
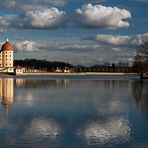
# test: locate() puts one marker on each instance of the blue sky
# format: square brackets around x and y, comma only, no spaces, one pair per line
[83,32]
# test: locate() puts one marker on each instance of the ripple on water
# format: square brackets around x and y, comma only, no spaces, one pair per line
[43,127]
[111,131]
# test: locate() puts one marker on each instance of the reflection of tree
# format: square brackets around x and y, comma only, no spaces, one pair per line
[140,93]
[137,87]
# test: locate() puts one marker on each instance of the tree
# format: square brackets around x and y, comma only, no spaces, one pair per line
[141,58]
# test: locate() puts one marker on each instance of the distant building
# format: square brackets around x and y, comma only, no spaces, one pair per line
[6,58]
[66,70]
[58,69]
[19,70]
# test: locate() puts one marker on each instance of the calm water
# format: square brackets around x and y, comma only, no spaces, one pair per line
[73,112]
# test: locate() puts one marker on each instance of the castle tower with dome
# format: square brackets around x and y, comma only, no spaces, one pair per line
[6,58]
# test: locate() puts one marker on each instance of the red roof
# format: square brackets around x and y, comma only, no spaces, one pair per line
[19,67]
[7,46]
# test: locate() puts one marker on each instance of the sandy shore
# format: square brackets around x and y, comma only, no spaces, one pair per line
[81,74]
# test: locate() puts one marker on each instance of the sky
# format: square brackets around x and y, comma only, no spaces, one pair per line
[80,32]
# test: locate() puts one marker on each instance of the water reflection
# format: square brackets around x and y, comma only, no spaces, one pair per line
[140,93]
[6,92]
[42,127]
[70,113]
[72,103]
[112,130]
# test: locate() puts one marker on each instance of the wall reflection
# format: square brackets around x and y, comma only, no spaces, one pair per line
[6,92]
[37,83]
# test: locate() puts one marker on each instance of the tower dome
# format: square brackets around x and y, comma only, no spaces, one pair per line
[7,46]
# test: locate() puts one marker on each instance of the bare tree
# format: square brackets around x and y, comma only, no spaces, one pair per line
[141,58]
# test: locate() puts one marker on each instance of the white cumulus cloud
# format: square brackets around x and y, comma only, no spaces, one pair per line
[99,16]
[41,19]
[119,40]
[26,46]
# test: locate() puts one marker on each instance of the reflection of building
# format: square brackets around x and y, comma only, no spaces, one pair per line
[6,58]
[62,82]
[20,82]
[6,91]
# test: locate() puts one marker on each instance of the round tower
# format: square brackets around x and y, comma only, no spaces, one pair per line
[7,54]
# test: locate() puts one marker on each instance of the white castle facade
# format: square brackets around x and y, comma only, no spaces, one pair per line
[6,58]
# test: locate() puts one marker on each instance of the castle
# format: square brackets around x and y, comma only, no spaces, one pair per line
[6,58]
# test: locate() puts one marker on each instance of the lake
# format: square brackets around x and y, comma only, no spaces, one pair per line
[73,112]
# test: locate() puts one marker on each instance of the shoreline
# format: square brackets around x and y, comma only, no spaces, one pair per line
[78,74]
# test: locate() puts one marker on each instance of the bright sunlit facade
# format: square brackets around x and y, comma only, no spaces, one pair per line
[6,58]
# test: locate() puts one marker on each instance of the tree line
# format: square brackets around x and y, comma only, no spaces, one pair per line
[52,66]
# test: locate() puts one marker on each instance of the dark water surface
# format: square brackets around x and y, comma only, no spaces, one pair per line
[44,112]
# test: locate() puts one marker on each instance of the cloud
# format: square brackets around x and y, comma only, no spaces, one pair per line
[50,18]
[91,16]
[119,40]
[27,46]
[30,4]
[31,46]
[85,53]
[89,51]
[98,16]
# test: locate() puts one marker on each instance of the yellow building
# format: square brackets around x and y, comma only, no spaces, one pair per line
[6,58]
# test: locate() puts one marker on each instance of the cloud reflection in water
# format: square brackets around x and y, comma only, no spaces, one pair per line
[113,130]
[42,127]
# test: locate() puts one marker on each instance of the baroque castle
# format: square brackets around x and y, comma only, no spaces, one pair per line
[6,58]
